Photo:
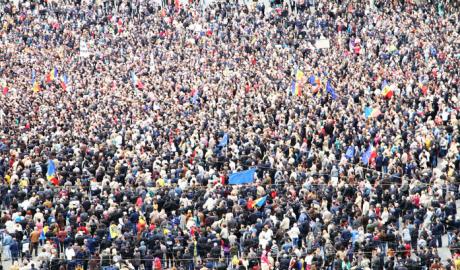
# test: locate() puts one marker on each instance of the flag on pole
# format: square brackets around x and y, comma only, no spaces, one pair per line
[136,82]
[51,173]
[224,140]
[387,92]
[297,83]
[64,82]
[36,86]
[242,177]
[298,90]
[33,76]
[369,155]
[4,87]
[312,80]
[423,87]
[133,78]
[330,90]
[194,96]
[315,81]
[52,74]
[261,201]
[299,76]
[292,88]
[366,156]
[370,112]
[48,78]
[350,152]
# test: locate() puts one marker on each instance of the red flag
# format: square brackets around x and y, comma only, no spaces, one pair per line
[250,203]
[177,5]
[373,156]
[54,180]
[4,87]
[48,78]
[424,89]
[140,85]
[192,157]
[64,86]
[389,95]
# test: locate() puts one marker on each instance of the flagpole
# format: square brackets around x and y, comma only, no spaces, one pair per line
[226,147]
[89,191]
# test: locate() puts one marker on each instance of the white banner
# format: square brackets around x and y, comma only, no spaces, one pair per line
[322,44]
[84,52]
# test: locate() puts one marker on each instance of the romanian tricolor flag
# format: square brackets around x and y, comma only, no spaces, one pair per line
[48,78]
[250,203]
[423,87]
[299,76]
[52,75]
[64,82]
[36,86]
[318,87]
[4,87]
[369,156]
[315,81]
[296,89]
[136,82]
[387,92]
[51,173]
[300,80]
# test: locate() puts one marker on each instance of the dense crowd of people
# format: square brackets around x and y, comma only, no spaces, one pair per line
[121,122]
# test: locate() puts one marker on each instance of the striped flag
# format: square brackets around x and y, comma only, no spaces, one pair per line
[261,201]
[64,82]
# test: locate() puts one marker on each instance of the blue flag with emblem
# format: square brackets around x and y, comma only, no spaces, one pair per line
[350,152]
[331,90]
[243,177]
[224,140]
[366,156]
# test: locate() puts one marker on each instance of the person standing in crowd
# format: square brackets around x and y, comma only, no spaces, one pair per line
[34,242]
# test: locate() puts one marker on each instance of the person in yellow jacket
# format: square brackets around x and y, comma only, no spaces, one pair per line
[457,263]
[114,231]
[160,182]
[23,183]
[7,179]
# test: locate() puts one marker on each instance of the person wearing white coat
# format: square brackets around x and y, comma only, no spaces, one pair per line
[385,215]
[294,233]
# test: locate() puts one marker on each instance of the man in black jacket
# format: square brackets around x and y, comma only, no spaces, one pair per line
[437,229]
[148,261]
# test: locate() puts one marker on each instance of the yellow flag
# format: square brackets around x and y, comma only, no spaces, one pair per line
[36,87]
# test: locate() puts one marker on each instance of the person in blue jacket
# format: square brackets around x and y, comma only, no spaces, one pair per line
[14,249]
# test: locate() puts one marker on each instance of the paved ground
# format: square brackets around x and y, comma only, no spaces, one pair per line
[7,264]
